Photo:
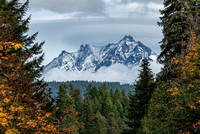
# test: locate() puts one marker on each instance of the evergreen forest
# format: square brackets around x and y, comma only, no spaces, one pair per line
[166,104]
[83,85]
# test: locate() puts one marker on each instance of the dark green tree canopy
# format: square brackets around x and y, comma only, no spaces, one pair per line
[138,102]
[179,19]
[16,11]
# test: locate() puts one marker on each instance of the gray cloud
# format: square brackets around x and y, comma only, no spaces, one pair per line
[69,5]
[75,24]
[85,8]
[145,1]
[70,34]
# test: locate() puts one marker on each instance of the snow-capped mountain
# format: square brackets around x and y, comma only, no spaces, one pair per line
[91,58]
[114,62]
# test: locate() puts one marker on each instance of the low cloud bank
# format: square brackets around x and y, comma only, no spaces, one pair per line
[115,73]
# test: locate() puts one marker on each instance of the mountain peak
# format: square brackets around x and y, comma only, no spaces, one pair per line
[85,47]
[127,38]
[63,52]
[90,58]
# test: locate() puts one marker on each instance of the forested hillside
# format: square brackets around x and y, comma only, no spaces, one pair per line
[101,111]
[83,85]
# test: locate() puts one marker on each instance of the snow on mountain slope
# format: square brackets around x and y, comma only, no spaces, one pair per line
[118,60]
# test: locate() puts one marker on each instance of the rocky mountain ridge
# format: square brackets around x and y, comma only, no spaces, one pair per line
[127,52]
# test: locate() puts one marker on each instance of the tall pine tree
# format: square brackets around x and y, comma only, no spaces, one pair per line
[62,103]
[176,21]
[167,112]
[138,104]
[16,11]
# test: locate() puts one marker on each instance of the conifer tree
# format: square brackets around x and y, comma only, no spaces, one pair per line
[112,127]
[160,117]
[96,105]
[92,92]
[170,106]
[21,95]
[65,106]
[138,104]
[176,27]
[62,103]
[99,124]
[15,10]
[78,102]
[106,106]
[176,21]
[174,108]
[119,107]
[88,117]
[124,103]
[117,95]
[111,94]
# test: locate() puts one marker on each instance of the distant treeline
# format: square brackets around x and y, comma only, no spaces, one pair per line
[83,85]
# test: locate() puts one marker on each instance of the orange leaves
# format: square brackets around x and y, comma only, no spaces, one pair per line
[4,118]
[190,63]
[198,101]
[185,132]
[191,106]
[56,108]
[17,46]
[174,91]
[47,115]
[188,81]
[16,109]
[19,110]
[6,100]
[70,130]
[6,46]
[175,60]
[2,86]
[196,125]
[32,123]
[12,131]
[49,128]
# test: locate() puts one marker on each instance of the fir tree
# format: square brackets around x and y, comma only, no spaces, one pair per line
[169,111]
[176,27]
[78,102]
[112,127]
[99,124]
[96,105]
[117,95]
[111,94]
[138,104]
[177,22]
[161,113]
[119,107]
[124,103]
[15,10]
[62,103]
[115,111]
[174,107]
[88,117]
[92,92]
[19,74]
[106,106]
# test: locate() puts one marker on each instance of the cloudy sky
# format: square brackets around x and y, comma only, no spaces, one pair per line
[66,24]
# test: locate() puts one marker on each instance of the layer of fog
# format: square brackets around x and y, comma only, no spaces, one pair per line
[115,73]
